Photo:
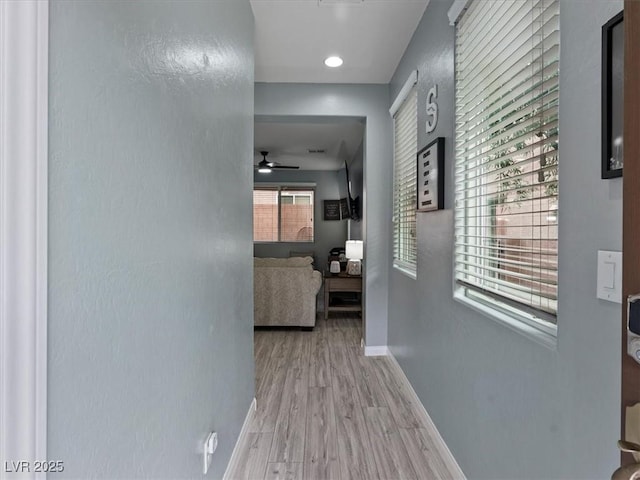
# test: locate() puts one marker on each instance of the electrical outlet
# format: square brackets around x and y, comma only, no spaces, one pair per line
[210,445]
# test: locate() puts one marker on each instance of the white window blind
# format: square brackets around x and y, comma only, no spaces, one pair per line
[506,172]
[405,124]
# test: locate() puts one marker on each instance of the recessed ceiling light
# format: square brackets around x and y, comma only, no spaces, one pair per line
[333,62]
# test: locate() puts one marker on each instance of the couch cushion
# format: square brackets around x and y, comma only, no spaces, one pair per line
[282,262]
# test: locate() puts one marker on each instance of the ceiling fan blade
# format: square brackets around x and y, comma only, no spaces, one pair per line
[265,164]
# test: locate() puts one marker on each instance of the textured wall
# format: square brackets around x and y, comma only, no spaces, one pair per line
[328,234]
[507,407]
[150,287]
[371,102]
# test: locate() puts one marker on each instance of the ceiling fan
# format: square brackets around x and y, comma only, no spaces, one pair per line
[265,166]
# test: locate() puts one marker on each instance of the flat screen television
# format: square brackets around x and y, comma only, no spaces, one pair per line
[346,189]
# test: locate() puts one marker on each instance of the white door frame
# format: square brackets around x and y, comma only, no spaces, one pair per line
[24,40]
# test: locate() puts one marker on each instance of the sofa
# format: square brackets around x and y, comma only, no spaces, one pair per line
[284,291]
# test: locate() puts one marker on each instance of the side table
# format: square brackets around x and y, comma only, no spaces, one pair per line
[342,283]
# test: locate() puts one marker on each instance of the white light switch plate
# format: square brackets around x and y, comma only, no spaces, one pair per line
[610,276]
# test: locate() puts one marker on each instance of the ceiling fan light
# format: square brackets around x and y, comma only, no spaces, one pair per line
[264,170]
[333,61]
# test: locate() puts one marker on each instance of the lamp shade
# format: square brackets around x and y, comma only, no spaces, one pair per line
[354,250]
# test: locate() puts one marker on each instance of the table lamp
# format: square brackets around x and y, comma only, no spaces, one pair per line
[354,251]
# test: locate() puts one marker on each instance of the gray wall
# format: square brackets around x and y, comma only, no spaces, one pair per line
[327,234]
[150,286]
[371,102]
[508,407]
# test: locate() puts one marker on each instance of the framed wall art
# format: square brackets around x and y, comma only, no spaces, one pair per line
[331,209]
[612,96]
[430,176]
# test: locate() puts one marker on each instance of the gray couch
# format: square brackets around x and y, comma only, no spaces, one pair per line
[285,291]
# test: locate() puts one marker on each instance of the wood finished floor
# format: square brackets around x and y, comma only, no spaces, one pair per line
[325,411]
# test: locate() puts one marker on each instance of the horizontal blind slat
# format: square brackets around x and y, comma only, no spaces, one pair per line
[551,252]
[480,100]
[506,284]
[517,113]
[545,146]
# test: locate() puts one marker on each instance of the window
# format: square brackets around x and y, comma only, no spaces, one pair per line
[405,149]
[283,214]
[506,172]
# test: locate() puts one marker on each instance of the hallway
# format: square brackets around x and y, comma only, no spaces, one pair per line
[325,411]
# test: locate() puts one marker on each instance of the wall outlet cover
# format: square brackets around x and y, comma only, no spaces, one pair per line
[210,445]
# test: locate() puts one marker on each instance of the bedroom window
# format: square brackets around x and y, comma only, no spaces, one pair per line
[283,214]
[405,148]
[506,169]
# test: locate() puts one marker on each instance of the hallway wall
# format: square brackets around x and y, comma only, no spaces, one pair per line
[150,273]
[508,407]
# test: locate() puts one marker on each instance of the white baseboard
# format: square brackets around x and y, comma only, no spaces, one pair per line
[243,432]
[376,351]
[442,446]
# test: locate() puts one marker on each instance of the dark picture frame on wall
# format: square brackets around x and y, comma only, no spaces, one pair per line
[331,209]
[612,96]
[430,176]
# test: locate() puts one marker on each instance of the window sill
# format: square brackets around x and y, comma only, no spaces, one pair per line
[548,340]
[406,271]
[274,242]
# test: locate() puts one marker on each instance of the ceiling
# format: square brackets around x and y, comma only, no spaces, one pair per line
[288,141]
[293,37]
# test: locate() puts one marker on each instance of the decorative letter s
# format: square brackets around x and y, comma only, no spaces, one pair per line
[432,109]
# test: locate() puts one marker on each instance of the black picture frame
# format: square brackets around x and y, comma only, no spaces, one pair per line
[612,96]
[430,177]
[331,209]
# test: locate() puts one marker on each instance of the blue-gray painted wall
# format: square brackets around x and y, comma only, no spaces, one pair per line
[150,235]
[508,407]
[372,103]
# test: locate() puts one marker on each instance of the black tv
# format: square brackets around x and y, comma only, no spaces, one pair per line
[346,187]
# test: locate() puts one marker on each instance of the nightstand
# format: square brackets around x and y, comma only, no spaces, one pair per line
[334,285]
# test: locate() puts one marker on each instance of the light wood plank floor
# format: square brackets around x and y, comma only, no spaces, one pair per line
[325,411]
